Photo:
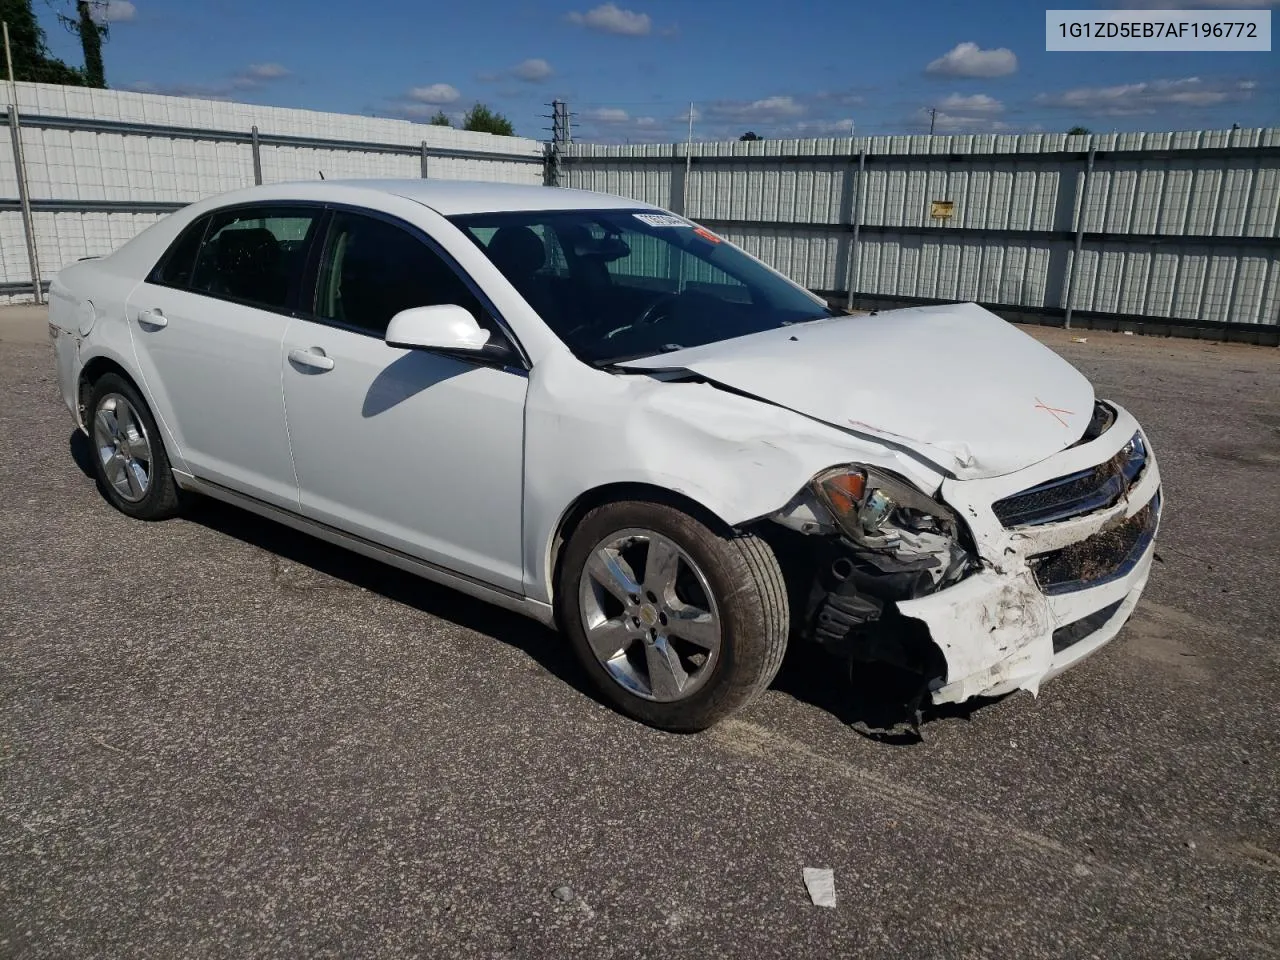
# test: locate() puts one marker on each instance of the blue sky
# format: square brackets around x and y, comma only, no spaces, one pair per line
[629,69]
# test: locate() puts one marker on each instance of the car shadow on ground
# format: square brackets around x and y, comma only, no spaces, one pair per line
[542,645]
[876,700]
[545,647]
[868,698]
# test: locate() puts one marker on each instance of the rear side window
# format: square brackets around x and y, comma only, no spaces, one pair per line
[178,263]
[371,270]
[255,255]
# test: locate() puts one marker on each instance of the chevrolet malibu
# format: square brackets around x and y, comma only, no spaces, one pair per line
[609,418]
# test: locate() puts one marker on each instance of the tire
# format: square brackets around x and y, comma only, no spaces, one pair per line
[726,589]
[129,458]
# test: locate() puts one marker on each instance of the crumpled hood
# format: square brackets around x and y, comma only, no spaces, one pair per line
[956,384]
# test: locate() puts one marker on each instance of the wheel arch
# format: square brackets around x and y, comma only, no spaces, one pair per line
[618,492]
[105,362]
[92,372]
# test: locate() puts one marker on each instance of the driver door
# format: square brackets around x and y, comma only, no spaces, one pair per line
[412,449]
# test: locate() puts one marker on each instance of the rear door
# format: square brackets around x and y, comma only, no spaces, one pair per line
[413,449]
[208,324]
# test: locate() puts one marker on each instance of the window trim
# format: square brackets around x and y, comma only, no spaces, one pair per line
[290,308]
[311,284]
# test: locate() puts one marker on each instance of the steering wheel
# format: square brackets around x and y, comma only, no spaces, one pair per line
[660,307]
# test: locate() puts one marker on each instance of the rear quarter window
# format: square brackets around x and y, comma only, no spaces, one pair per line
[178,263]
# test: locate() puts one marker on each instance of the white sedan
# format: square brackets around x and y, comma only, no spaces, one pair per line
[609,418]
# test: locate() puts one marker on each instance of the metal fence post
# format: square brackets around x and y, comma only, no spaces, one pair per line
[1075,259]
[20,171]
[854,251]
[551,165]
[24,200]
[424,159]
[257,155]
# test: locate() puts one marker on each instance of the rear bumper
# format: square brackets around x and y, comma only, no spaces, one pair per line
[66,355]
[1002,629]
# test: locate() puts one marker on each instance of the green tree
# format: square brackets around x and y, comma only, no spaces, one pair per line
[1079,132]
[440,120]
[92,33]
[751,135]
[484,120]
[31,59]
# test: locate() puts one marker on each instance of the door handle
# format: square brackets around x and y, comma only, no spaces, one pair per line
[313,359]
[153,318]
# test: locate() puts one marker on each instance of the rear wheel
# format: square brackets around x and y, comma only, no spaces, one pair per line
[128,455]
[677,625]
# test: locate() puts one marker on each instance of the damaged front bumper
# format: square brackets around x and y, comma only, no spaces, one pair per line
[1060,554]
[1049,593]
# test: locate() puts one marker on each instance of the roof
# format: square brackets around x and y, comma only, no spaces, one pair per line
[452,197]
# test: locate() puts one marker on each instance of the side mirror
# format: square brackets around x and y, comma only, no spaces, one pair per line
[447,327]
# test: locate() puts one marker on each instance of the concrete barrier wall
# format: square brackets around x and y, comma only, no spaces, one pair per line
[1170,227]
[101,165]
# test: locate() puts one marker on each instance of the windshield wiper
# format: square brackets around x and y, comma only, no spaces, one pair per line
[792,323]
[614,361]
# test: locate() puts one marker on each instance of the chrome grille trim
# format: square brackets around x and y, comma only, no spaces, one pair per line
[1075,494]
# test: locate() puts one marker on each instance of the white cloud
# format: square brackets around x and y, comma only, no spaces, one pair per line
[846,98]
[969,60]
[534,70]
[435,94]
[770,108]
[266,71]
[974,103]
[1148,97]
[1197,4]
[610,18]
[972,122]
[817,128]
[607,115]
[115,11]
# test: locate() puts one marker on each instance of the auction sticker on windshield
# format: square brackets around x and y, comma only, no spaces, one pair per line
[661,220]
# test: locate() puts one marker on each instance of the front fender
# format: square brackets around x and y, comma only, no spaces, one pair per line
[737,457]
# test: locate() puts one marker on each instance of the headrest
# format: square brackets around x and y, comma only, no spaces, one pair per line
[517,251]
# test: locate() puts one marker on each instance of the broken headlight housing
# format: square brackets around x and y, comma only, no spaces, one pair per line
[868,503]
[892,524]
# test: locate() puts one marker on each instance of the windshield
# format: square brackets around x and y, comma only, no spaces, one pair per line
[620,284]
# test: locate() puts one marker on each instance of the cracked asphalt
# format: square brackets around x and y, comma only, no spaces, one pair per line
[221,738]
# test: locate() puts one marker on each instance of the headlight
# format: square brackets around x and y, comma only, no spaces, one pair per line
[871,504]
[1133,457]
[893,528]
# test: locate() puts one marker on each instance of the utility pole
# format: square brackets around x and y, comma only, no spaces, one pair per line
[688,163]
[933,115]
[561,136]
[561,123]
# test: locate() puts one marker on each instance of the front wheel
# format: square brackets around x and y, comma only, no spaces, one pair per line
[677,625]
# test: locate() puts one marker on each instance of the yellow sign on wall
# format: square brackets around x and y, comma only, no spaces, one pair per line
[942,209]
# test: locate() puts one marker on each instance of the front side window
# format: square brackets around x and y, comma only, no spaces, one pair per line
[372,269]
[619,284]
[255,255]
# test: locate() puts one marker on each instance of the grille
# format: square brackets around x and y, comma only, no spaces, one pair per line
[1104,557]
[1077,493]
[1077,630]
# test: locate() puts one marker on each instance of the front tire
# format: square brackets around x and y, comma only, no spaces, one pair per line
[677,625]
[129,458]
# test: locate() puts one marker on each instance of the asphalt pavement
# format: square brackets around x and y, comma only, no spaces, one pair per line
[220,738]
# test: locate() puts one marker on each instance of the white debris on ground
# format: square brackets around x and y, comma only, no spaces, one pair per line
[821,884]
